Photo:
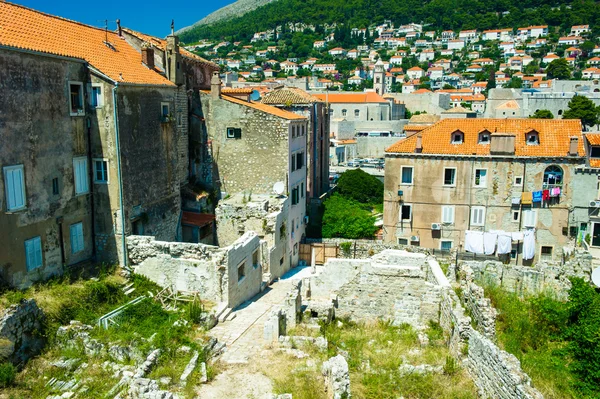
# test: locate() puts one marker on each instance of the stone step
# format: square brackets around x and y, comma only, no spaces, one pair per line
[224,315]
[128,286]
[129,291]
[231,316]
[221,308]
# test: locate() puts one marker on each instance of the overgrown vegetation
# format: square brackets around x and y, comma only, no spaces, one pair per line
[558,343]
[349,213]
[141,328]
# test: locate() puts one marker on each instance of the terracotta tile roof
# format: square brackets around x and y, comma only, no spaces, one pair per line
[424,118]
[261,107]
[421,91]
[289,95]
[595,163]
[510,104]
[593,138]
[162,44]
[241,90]
[352,98]
[415,128]
[554,137]
[27,29]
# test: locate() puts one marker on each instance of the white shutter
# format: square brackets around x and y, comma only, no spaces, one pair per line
[477,216]
[448,214]
[529,218]
[81,175]
[15,187]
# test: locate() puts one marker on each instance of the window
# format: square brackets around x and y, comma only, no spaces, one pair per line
[96,99]
[529,218]
[299,160]
[80,171]
[518,181]
[100,170]
[294,162]
[405,212]
[55,188]
[407,174]
[595,153]
[553,176]
[234,133]
[448,214]
[302,190]
[532,138]
[14,181]
[480,178]
[33,253]
[241,271]
[477,216]
[457,138]
[255,262]
[295,196]
[356,113]
[446,245]
[293,131]
[76,238]
[76,98]
[344,112]
[164,111]
[402,241]
[546,252]
[484,138]
[515,216]
[449,176]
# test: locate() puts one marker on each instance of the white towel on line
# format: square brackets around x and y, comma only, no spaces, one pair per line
[474,241]
[489,243]
[529,245]
[504,243]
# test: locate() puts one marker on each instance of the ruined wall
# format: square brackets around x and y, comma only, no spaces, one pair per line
[211,270]
[364,249]
[479,307]
[38,132]
[543,276]
[21,332]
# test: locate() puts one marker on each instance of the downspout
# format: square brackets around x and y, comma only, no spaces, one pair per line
[119,174]
[315,158]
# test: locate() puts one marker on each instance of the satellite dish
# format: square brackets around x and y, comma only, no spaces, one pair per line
[279,188]
[596,276]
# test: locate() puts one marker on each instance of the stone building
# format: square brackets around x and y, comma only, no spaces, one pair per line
[480,174]
[106,153]
[253,146]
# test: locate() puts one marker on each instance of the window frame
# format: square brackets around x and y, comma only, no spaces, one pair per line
[106,173]
[234,133]
[164,104]
[475,178]
[453,211]
[410,213]
[99,98]
[344,112]
[474,210]
[23,197]
[412,177]
[446,241]
[515,184]
[241,276]
[80,111]
[256,255]
[37,241]
[453,180]
[457,134]
[525,218]
[484,134]
[80,243]
[513,213]
[76,185]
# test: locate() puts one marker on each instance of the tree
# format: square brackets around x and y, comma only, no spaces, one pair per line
[515,83]
[542,114]
[347,219]
[559,69]
[582,108]
[360,186]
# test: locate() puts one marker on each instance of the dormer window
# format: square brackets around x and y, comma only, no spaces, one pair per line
[532,138]
[484,138]
[457,137]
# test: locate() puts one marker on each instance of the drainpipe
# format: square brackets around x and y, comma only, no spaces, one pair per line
[315,158]
[120,177]
[91,180]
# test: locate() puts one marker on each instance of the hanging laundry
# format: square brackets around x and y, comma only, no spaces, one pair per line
[555,192]
[528,245]
[474,241]
[546,195]
[526,198]
[516,200]
[504,243]
[537,196]
[489,243]
[518,236]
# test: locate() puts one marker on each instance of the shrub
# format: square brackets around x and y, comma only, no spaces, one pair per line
[8,373]
[347,219]
[360,186]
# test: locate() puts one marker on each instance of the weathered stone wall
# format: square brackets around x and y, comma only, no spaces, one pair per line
[479,307]
[211,270]
[38,132]
[364,249]
[374,147]
[21,332]
[523,280]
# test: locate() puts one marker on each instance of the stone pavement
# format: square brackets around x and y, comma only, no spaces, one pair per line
[244,334]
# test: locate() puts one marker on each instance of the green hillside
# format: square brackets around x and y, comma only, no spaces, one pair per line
[440,14]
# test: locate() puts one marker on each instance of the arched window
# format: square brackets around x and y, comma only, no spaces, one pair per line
[560,111]
[344,112]
[553,176]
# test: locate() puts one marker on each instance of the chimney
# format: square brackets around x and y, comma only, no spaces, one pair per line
[215,85]
[573,147]
[174,62]
[419,146]
[148,55]
[119,30]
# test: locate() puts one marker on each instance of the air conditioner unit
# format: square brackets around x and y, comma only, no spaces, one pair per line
[414,238]
[436,226]
[594,204]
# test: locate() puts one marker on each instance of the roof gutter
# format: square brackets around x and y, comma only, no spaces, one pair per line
[120,175]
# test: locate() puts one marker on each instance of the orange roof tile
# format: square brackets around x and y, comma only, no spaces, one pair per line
[369,97]
[415,128]
[261,107]
[554,136]
[595,163]
[241,90]
[593,138]
[27,29]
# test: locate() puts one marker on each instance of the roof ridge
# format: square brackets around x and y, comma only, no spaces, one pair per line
[57,17]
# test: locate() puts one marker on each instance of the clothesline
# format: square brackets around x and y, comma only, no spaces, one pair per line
[529,197]
[499,242]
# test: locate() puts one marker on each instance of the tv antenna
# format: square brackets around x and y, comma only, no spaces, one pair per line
[106,21]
